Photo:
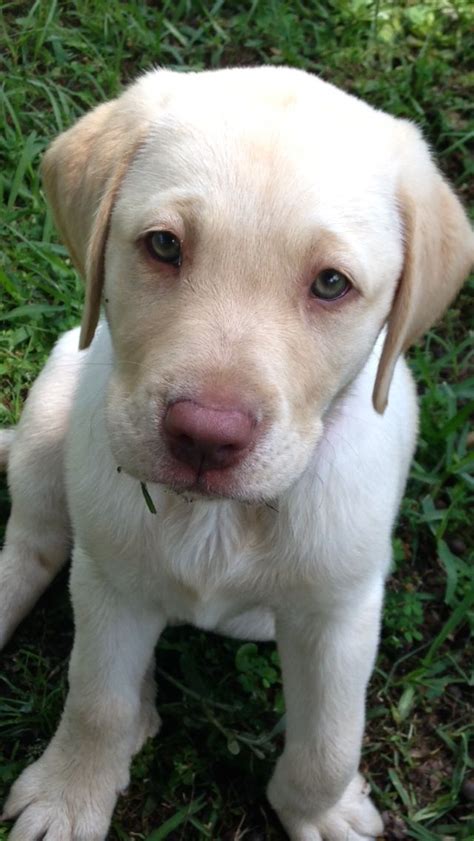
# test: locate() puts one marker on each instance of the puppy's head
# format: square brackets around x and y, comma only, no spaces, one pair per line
[249,232]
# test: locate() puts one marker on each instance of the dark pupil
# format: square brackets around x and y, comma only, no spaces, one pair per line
[166,247]
[329,284]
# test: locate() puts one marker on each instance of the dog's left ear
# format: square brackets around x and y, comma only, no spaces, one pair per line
[439,252]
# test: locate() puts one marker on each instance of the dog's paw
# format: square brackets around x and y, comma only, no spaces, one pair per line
[353,818]
[56,801]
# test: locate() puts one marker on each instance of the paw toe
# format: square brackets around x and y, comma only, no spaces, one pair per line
[367,821]
[31,825]
[19,798]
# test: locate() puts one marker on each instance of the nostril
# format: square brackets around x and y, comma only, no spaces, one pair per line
[185,439]
[226,451]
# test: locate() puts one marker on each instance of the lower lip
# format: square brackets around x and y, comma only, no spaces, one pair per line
[209,483]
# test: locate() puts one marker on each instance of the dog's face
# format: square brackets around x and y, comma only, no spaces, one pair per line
[281,276]
[249,252]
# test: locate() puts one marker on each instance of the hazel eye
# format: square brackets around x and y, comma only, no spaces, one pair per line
[329,285]
[164,246]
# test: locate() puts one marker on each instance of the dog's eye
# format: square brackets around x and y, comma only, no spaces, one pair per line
[164,246]
[329,285]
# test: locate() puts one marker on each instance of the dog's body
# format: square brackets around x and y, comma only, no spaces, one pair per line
[221,377]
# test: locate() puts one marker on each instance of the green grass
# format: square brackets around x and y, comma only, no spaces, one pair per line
[221,702]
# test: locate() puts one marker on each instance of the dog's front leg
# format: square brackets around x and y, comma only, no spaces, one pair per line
[327,654]
[70,792]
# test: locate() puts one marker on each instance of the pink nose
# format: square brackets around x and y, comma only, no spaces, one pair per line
[205,437]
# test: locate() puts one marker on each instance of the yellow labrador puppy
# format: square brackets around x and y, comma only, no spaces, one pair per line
[264,248]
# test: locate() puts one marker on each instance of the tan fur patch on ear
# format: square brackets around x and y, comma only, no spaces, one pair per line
[73,174]
[95,260]
[439,252]
[82,173]
[399,316]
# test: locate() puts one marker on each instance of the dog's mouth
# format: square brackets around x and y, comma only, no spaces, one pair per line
[193,483]
[213,484]
[200,481]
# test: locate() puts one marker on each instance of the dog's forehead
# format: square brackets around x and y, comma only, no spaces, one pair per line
[282,141]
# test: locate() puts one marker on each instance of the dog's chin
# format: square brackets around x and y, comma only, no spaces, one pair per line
[192,485]
[210,484]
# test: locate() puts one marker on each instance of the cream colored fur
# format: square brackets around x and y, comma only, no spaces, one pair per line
[267,176]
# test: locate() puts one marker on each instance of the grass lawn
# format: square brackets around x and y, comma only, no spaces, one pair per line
[221,702]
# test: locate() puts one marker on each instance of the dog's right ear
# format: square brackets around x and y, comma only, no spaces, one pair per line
[82,173]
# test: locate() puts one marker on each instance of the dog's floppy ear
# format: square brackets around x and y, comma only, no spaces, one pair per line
[439,252]
[82,173]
